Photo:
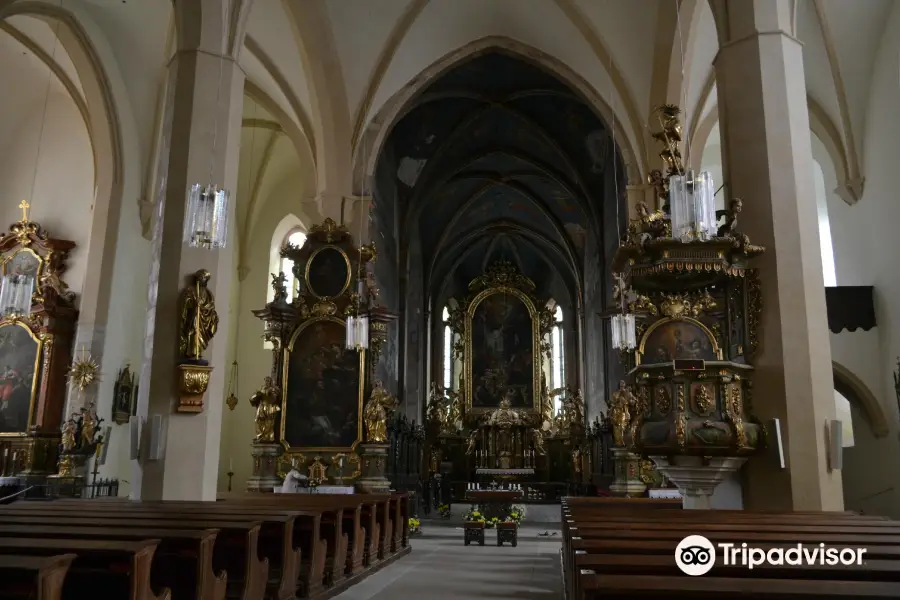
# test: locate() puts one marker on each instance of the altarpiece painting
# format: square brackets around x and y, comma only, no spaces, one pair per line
[19,358]
[502,351]
[323,388]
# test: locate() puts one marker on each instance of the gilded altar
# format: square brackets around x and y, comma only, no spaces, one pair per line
[35,351]
[499,418]
[322,385]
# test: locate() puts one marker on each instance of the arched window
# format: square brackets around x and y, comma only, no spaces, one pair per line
[557,355]
[296,238]
[447,350]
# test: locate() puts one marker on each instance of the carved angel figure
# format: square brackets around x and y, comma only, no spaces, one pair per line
[266,403]
[731,217]
[620,412]
[199,319]
[279,286]
[381,403]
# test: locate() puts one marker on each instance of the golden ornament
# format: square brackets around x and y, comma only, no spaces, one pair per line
[84,371]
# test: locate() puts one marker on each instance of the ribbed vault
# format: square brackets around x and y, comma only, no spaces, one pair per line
[498,159]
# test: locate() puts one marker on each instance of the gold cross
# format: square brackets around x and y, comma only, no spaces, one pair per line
[24,206]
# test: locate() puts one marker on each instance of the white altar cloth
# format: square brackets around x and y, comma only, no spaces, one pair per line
[504,471]
[669,494]
[322,489]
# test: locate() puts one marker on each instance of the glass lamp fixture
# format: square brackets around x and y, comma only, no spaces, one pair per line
[692,202]
[206,217]
[358,332]
[624,337]
[15,295]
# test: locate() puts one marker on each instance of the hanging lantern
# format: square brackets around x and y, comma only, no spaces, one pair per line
[358,332]
[623,332]
[206,217]
[15,295]
[692,202]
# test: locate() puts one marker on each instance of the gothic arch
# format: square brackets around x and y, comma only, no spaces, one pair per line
[859,394]
[105,133]
[380,126]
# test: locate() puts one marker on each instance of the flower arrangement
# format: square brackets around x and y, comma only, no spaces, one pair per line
[474,515]
[492,523]
[444,511]
[415,526]
[516,514]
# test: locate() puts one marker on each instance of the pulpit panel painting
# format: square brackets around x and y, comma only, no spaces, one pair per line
[502,352]
[677,339]
[322,395]
[19,354]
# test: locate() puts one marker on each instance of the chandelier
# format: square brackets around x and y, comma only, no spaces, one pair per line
[692,202]
[15,295]
[206,217]
[624,338]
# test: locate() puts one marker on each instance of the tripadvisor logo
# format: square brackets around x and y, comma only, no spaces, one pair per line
[696,555]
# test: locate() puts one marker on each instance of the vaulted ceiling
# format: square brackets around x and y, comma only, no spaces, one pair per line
[498,159]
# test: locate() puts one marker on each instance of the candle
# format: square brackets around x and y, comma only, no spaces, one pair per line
[231,465]
[341,462]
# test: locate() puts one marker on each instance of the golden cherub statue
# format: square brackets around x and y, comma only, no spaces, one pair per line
[380,405]
[199,320]
[620,412]
[265,401]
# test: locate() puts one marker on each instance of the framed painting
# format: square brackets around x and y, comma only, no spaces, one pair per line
[322,401]
[20,354]
[328,272]
[681,338]
[502,351]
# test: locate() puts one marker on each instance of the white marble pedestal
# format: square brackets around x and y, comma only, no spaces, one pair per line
[697,477]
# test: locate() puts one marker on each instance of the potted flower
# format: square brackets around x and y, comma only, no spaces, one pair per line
[415,526]
[516,515]
[474,516]
[444,511]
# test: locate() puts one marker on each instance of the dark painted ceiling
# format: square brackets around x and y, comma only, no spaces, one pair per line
[498,159]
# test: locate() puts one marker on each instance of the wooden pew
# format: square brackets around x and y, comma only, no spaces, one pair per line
[274,542]
[33,577]
[603,543]
[108,568]
[235,550]
[183,561]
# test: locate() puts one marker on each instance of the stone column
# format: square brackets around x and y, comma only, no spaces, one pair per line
[201,142]
[767,160]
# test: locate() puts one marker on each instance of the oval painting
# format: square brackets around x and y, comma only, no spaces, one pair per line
[328,273]
[677,339]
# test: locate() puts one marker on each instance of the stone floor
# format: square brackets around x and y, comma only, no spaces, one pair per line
[442,568]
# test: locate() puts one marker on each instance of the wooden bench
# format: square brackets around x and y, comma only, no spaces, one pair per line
[33,577]
[107,568]
[274,543]
[183,561]
[625,549]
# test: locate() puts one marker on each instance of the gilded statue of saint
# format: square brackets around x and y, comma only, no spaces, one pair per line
[437,409]
[620,412]
[505,416]
[546,402]
[381,403]
[537,438]
[199,320]
[69,431]
[265,401]
[88,425]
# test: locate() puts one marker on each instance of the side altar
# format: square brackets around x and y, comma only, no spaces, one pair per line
[499,421]
[320,411]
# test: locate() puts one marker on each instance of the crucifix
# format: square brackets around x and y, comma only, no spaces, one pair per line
[24,206]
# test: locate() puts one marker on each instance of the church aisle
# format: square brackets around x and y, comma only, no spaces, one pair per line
[442,568]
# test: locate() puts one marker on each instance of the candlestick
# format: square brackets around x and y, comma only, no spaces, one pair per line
[230,475]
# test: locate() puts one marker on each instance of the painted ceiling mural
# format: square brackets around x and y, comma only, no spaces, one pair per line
[500,159]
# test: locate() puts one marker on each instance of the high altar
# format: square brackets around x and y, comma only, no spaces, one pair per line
[320,411]
[498,420]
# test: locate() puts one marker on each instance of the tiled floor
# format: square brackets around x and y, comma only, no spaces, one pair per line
[442,568]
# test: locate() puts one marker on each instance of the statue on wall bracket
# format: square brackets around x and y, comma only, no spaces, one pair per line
[198,324]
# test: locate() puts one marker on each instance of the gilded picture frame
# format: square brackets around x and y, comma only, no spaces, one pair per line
[360,400]
[35,378]
[674,321]
[311,262]
[536,354]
